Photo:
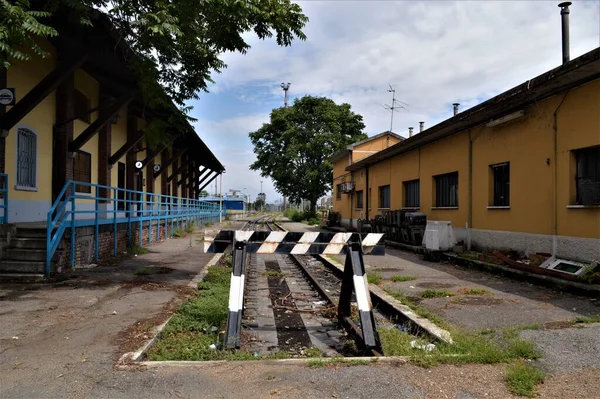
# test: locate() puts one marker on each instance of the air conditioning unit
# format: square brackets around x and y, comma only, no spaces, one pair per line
[347,187]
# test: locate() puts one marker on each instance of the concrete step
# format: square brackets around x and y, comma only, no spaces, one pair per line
[19,254]
[21,277]
[15,266]
[28,243]
[24,232]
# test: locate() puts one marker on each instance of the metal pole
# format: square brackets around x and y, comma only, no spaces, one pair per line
[564,13]
[221,200]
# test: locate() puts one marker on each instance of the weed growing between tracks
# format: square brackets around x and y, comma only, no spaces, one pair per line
[400,279]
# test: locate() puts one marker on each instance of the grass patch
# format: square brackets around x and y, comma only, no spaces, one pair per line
[190,228]
[400,279]
[374,278]
[418,309]
[522,379]
[530,327]
[435,293]
[137,250]
[338,361]
[588,319]
[178,233]
[472,291]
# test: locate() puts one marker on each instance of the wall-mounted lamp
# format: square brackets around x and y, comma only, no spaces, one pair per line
[4,133]
[114,119]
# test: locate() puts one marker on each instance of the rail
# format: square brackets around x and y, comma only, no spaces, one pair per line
[111,205]
[4,197]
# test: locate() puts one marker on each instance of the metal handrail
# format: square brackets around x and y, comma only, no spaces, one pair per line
[137,207]
[4,192]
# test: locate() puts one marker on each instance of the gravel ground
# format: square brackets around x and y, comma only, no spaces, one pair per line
[568,348]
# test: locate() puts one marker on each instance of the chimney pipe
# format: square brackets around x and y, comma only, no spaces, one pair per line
[455,105]
[564,13]
[410,131]
[421,126]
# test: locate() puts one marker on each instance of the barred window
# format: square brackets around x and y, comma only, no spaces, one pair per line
[446,190]
[501,188]
[338,193]
[588,176]
[26,159]
[82,171]
[384,196]
[359,199]
[412,193]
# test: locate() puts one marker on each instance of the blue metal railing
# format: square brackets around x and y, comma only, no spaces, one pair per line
[73,209]
[4,196]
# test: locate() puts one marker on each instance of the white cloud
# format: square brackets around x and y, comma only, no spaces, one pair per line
[433,53]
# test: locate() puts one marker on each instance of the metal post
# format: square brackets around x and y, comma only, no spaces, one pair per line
[564,14]
[221,199]
[236,296]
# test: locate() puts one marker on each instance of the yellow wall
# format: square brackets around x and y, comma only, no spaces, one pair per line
[118,137]
[24,76]
[371,147]
[539,201]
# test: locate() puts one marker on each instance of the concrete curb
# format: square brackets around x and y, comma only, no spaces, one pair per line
[126,359]
[425,324]
[546,281]
[279,362]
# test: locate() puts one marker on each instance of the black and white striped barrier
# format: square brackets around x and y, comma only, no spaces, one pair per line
[281,242]
[354,245]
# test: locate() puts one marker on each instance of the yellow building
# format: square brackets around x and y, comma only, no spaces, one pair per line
[79,115]
[519,171]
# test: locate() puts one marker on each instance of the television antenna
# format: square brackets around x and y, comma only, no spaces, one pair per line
[395,107]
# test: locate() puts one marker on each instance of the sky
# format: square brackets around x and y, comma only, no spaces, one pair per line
[432,53]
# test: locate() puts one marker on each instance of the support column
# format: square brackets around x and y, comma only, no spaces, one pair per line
[174,181]
[104,150]
[191,175]
[3,83]
[149,175]
[62,159]
[130,158]
[164,157]
[184,193]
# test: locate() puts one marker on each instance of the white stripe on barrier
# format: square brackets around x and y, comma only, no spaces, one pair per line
[337,243]
[304,243]
[361,289]
[235,293]
[243,235]
[371,239]
[272,242]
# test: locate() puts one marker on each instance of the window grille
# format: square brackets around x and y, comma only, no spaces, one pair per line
[446,190]
[412,194]
[26,159]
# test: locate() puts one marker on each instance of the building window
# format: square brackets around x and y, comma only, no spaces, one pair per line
[446,190]
[82,171]
[338,191]
[588,176]
[384,197]
[82,107]
[501,187]
[26,159]
[359,199]
[412,194]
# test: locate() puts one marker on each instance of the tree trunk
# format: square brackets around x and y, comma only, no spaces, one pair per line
[313,207]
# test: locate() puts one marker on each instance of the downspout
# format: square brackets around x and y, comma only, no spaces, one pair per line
[368,193]
[470,193]
[555,176]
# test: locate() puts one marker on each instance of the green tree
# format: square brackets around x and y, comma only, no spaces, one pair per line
[294,148]
[259,204]
[204,193]
[177,43]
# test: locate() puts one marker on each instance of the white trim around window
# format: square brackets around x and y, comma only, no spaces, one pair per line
[26,170]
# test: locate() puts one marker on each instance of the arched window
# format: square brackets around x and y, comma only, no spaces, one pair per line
[26,159]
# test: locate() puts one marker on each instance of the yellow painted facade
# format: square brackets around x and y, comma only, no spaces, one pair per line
[539,148]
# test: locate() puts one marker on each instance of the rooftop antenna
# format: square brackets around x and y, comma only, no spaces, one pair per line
[396,104]
[285,87]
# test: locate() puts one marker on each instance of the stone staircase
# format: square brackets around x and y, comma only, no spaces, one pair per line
[24,258]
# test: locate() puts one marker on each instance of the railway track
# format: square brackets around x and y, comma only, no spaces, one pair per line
[291,305]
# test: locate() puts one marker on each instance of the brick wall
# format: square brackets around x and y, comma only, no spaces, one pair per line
[84,241]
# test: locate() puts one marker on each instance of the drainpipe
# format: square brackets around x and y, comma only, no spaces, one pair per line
[367,193]
[470,193]
[555,177]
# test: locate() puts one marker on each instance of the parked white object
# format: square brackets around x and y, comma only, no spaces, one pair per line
[439,235]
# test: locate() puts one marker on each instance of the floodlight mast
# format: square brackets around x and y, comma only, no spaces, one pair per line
[285,87]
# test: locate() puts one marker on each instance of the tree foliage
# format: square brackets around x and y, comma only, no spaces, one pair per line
[294,147]
[176,43]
